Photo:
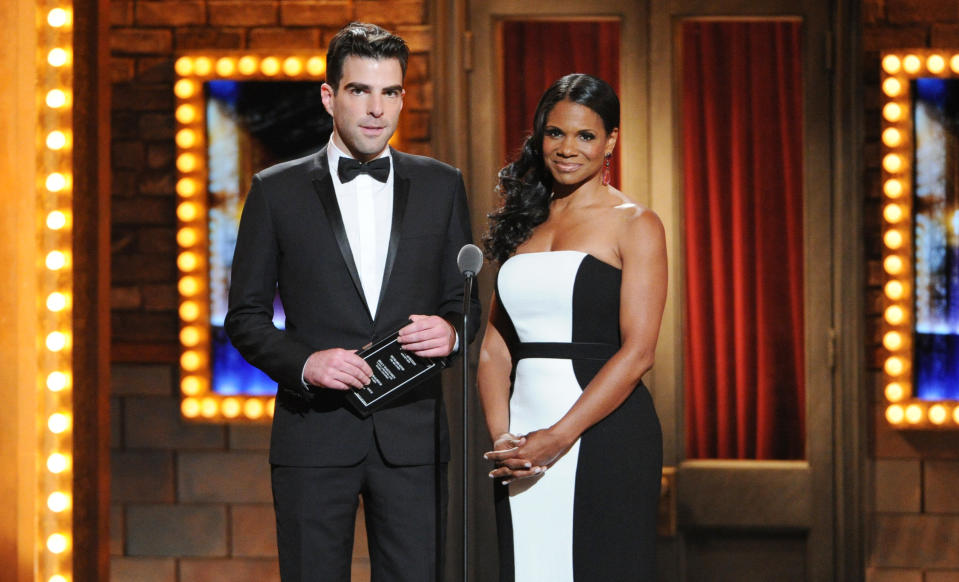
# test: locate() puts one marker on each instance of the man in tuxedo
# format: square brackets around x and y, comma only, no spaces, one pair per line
[359,240]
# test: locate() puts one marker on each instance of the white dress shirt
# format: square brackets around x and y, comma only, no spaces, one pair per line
[367,209]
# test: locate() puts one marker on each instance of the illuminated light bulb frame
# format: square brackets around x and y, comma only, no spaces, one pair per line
[897,69]
[54,201]
[193,69]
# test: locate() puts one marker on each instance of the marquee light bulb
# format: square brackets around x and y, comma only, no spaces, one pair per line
[56,341]
[892,87]
[891,64]
[187,211]
[892,188]
[58,423]
[56,98]
[186,237]
[187,261]
[189,311]
[184,88]
[892,163]
[58,18]
[954,65]
[57,57]
[58,463]
[56,140]
[186,138]
[892,340]
[209,407]
[57,301]
[316,66]
[56,182]
[58,501]
[56,220]
[895,315]
[183,66]
[57,543]
[225,67]
[913,414]
[895,414]
[892,112]
[894,392]
[893,239]
[911,64]
[57,381]
[936,64]
[186,113]
[893,265]
[270,66]
[292,66]
[190,407]
[191,385]
[894,366]
[202,66]
[894,290]
[253,408]
[231,407]
[938,414]
[56,260]
[186,187]
[247,65]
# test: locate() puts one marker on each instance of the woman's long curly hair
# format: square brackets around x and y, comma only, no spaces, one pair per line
[525,185]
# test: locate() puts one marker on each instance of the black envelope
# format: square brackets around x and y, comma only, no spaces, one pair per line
[395,371]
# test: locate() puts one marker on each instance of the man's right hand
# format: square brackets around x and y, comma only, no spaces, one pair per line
[338,369]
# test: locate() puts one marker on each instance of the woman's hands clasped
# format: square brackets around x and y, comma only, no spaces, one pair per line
[524,456]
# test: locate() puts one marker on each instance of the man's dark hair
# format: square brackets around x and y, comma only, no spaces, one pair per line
[361,39]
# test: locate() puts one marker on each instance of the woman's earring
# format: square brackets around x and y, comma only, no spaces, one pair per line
[606,172]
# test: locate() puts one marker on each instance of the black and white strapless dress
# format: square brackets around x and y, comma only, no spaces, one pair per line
[592,515]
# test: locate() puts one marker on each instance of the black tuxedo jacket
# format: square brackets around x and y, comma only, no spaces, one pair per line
[292,239]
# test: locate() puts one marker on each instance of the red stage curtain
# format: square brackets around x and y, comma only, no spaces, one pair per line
[537,52]
[743,178]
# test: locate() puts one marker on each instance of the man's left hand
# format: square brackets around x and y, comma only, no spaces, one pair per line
[429,336]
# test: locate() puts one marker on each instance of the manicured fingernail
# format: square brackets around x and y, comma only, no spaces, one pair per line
[537,470]
[491,475]
[527,465]
[485,456]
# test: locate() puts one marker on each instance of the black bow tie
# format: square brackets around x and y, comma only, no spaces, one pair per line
[378,169]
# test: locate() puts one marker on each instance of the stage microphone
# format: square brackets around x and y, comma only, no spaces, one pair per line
[470,261]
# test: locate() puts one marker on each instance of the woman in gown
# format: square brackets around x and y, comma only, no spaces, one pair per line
[577,446]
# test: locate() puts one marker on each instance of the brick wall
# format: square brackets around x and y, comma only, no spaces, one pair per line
[914,514]
[191,502]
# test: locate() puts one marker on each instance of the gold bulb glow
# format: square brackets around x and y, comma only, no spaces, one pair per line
[58,18]
[892,188]
[913,413]
[190,336]
[187,211]
[292,66]
[184,88]
[186,237]
[186,187]
[56,220]
[56,260]
[56,341]
[893,265]
[58,463]
[892,112]
[186,162]
[202,66]
[892,239]
[231,407]
[270,66]
[57,543]
[955,415]
[56,182]
[894,392]
[188,286]
[58,501]
[894,365]
[56,140]
[911,64]
[57,301]
[936,64]
[891,137]
[270,406]
[954,65]
[183,66]
[225,66]
[58,423]
[894,315]
[186,113]
[57,57]
[191,360]
[891,87]
[894,290]
[247,65]
[186,138]
[189,311]
[57,578]
[187,261]
[190,407]
[893,213]
[891,64]
[938,414]
[895,414]
[56,98]
[209,407]
[892,163]
[191,385]
[316,66]
[57,381]
[892,340]
[253,408]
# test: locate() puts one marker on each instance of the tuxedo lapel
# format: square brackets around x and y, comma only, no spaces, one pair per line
[401,191]
[323,184]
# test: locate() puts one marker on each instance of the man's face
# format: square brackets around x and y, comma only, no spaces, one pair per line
[366,106]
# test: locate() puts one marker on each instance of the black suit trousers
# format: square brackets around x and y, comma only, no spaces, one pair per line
[405,510]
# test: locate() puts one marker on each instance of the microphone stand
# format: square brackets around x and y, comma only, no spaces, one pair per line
[464,347]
